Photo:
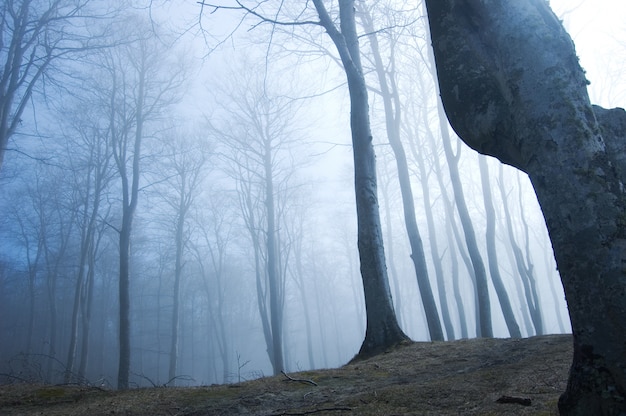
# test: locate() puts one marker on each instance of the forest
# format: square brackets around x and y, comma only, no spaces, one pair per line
[178,188]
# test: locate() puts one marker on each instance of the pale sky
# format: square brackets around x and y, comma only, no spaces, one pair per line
[598,28]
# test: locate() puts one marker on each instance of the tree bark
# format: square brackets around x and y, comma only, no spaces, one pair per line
[513,88]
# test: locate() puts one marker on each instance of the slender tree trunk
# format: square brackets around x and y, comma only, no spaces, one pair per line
[392,123]
[124,299]
[178,270]
[273,272]
[524,270]
[129,206]
[86,303]
[304,297]
[451,231]
[494,270]
[530,267]
[530,108]
[434,248]
[382,329]
[484,328]
[393,273]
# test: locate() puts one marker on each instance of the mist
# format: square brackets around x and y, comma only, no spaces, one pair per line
[202,158]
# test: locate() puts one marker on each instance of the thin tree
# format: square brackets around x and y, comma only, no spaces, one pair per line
[523,265]
[391,103]
[184,162]
[483,326]
[492,254]
[138,92]
[34,34]
[256,131]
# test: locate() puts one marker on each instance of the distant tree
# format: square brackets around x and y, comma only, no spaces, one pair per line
[492,254]
[513,88]
[523,264]
[89,154]
[256,129]
[484,326]
[33,34]
[139,90]
[183,165]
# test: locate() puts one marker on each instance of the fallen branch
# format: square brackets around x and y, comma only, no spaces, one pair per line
[301,380]
[310,412]
[515,400]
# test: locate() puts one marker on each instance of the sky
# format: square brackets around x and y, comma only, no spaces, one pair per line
[598,28]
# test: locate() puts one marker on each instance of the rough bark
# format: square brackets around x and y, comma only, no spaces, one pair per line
[513,88]
[382,329]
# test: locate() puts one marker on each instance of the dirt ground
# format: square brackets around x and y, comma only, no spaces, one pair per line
[468,377]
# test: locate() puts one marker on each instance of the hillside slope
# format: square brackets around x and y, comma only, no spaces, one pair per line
[466,377]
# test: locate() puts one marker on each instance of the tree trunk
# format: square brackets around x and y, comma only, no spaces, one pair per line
[391,103]
[530,108]
[178,270]
[273,271]
[524,269]
[451,231]
[382,329]
[483,318]
[432,235]
[494,270]
[124,299]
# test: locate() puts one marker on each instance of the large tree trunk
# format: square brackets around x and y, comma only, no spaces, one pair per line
[512,88]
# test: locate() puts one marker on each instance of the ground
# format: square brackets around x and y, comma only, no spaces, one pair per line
[467,377]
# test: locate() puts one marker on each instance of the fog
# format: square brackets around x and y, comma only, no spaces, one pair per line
[221,144]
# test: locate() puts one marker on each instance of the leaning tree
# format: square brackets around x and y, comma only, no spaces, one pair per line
[512,88]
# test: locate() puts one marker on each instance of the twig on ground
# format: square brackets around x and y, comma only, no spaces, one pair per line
[310,412]
[301,380]
[516,400]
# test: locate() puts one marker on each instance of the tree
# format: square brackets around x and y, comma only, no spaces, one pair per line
[530,109]
[185,161]
[492,255]
[382,329]
[483,318]
[523,265]
[391,101]
[33,34]
[257,130]
[90,157]
[139,90]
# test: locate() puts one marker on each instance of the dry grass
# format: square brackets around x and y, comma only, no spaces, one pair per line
[440,378]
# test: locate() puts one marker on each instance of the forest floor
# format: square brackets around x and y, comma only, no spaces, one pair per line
[467,377]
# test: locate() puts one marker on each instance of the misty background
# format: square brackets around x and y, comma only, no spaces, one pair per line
[225,113]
